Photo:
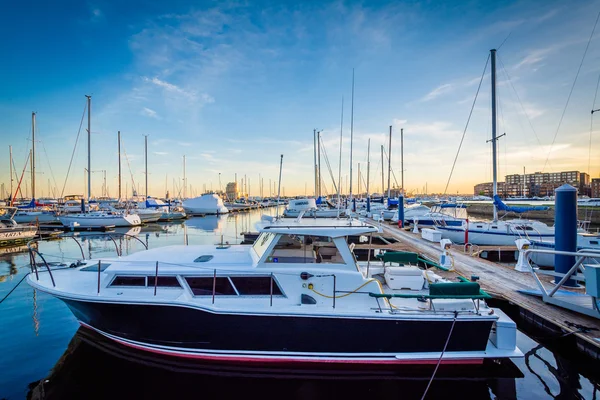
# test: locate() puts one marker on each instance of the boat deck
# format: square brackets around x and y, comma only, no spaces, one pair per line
[505,283]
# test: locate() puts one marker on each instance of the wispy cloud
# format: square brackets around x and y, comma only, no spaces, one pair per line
[438,91]
[160,153]
[148,112]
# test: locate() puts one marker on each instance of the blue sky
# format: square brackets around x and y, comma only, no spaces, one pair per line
[234,84]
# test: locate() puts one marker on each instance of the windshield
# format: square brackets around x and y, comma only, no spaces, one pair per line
[262,243]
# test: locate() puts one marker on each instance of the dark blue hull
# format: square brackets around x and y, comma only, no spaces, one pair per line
[189,328]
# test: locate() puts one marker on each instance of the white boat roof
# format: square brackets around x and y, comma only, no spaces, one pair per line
[331,227]
[181,258]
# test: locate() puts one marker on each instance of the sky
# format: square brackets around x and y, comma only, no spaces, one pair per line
[232,85]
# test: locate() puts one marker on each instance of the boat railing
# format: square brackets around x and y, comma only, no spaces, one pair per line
[571,275]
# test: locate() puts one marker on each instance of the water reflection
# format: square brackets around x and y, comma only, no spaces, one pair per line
[210,223]
[95,366]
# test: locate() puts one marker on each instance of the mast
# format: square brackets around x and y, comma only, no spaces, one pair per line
[279,187]
[495,177]
[389,162]
[358,194]
[33,155]
[382,172]
[184,180]
[89,129]
[340,160]
[146,161]
[316,168]
[319,163]
[11,172]
[368,164]
[351,132]
[119,147]
[402,157]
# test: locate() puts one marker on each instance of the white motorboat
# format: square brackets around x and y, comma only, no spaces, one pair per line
[98,219]
[296,297]
[309,208]
[147,215]
[27,216]
[10,231]
[412,212]
[208,203]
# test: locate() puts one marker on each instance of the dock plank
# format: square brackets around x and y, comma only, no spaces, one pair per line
[503,282]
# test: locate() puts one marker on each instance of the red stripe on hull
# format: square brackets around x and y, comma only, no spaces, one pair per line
[297,361]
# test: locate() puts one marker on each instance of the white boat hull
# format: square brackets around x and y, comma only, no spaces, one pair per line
[91,221]
[34,216]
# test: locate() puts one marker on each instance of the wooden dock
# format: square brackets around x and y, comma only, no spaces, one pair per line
[504,282]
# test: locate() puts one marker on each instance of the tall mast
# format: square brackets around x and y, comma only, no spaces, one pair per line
[402,157]
[495,177]
[319,163]
[89,129]
[389,162]
[33,155]
[368,165]
[119,146]
[184,180]
[382,172]
[358,194]
[340,160]
[351,132]
[11,171]
[316,168]
[279,186]
[146,161]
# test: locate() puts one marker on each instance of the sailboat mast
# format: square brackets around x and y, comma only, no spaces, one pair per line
[402,157]
[119,148]
[89,129]
[339,201]
[319,163]
[184,180]
[11,172]
[389,163]
[146,161]
[382,172]
[368,164]
[33,155]
[495,171]
[316,168]
[351,132]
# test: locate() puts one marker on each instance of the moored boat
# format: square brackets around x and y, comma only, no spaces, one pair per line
[297,296]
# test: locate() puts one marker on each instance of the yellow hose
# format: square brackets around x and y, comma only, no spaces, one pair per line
[349,293]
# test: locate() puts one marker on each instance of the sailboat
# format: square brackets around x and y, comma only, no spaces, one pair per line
[97,219]
[33,212]
[497,232]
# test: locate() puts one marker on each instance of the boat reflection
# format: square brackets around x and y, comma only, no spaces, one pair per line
[93,366]
[210,223]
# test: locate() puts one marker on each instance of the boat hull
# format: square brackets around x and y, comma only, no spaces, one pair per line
[16,235]
[483,238]
[91,222]
[196,333]
[42,217]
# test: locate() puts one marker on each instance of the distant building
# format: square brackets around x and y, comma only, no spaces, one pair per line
[487,189]
[538,184]
[595,186]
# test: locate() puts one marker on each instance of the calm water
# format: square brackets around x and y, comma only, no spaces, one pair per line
[44,354]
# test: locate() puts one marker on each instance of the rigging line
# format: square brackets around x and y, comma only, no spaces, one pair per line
[329,167]
[571,91]
[393,174]
[592,125]
[520,102]
[467,125]
[504,41]
[74,148]
[49,166]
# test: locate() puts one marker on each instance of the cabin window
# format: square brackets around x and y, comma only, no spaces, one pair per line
[302,249]
[262,243]
[204,258]
[255,285]
[204,286]
[494,227]
[593,242]
[129,281]
[164,281]
[480,226]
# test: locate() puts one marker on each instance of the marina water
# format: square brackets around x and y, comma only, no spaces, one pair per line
[44,353]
